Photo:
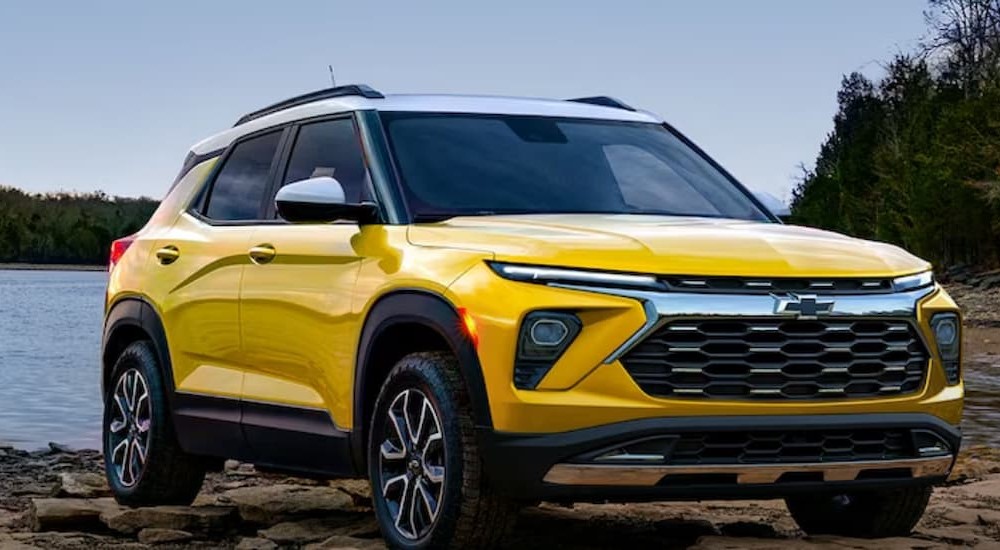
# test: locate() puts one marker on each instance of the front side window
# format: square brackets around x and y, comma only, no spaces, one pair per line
[239,188]
[330,148]
[471,164]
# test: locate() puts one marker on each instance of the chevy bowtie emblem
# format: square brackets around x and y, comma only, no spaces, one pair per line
[804,306]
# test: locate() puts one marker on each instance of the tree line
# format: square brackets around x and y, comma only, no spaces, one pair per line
[66,228]
[914,157]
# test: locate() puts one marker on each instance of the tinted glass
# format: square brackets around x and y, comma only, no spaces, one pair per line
[331,148]
[240,186]
[453,164]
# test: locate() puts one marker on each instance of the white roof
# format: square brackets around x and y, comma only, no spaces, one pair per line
[426,103]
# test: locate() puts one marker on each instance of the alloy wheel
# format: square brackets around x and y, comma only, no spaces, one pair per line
[411,463]
[128,432]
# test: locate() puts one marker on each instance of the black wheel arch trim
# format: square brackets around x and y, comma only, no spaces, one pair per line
[436,313]
[136,312]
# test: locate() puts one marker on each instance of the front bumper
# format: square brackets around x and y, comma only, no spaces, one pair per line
[562,466]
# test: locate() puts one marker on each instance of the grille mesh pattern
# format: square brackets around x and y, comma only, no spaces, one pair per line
[766,447]
[779,359]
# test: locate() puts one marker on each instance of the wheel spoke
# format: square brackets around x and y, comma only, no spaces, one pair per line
[404,503]
[430,503]
[115,452]
[393,481]
[397,427]
[406,417]
[435,474]
[390,452]
[139,451]
[436,436]
[414,502]
[127,463]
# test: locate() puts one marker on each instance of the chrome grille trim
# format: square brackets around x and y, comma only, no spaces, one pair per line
[662,307]
[736,285]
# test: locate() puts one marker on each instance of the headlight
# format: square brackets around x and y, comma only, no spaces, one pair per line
[911,282]
[948,336]
[544,337]
[546,275]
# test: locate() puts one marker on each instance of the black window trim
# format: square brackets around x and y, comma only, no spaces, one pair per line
[285,156]
[199,206]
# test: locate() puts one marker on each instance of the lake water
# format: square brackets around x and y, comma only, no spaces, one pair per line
[50,340]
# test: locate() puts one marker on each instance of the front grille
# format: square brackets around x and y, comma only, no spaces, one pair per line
[769,447]
[779,359]
[763,285]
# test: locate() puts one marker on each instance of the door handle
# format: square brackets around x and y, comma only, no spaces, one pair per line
[168,254]
[262,253]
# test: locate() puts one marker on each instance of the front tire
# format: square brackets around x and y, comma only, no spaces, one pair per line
[427,478]
[870,514]
[142,460]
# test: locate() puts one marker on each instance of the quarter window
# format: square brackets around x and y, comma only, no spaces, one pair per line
[330,148]
[239,189]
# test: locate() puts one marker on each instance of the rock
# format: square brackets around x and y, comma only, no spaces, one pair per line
[345,542]
[724,543]
[56,448]
[972,516]
[202,519]
[685,530]
[155,535]
[316,529]
[248,543]
[961,536]
[268,505]
[360,490]
[8,542]
[751,529]
[82,485]
[991,281]
[69,514]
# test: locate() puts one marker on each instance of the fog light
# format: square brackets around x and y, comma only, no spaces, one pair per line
[544,337]
[948,336]
[548,332]
[946,331]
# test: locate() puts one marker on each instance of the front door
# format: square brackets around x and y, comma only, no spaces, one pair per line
[296,313]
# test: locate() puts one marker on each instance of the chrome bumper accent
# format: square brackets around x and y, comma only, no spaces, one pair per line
[746,474]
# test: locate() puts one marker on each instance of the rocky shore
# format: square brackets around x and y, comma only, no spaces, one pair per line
[57,498]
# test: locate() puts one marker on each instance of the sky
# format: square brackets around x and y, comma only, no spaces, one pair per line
[110,95]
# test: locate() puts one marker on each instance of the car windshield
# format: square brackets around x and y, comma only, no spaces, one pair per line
[473,164]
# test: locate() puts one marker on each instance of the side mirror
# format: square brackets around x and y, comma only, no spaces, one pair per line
[775,205]
[320,200]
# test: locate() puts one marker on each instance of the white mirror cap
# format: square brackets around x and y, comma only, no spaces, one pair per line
[775,205]
[318,190]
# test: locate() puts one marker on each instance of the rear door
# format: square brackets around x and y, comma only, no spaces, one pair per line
[201,263]
[298,331]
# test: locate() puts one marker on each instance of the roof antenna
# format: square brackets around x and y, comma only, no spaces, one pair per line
[333,81]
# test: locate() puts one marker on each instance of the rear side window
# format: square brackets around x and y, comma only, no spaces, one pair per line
[239,189]
[330,148]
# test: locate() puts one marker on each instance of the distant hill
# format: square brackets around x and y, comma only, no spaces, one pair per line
[66,228]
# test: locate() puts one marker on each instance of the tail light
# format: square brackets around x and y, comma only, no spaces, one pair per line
[118,249]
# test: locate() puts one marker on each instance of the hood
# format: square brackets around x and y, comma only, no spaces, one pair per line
[669,245]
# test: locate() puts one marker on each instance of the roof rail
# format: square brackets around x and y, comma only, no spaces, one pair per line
[603,101]
[362,90]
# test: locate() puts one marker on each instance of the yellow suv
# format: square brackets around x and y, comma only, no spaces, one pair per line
[483,302]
